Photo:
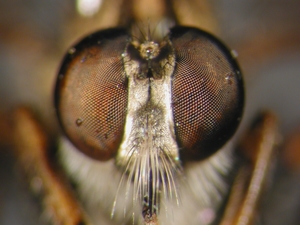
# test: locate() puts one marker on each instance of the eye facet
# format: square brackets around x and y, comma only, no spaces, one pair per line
[91,93]
[207,93]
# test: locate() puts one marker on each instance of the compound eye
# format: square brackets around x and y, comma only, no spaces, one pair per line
[207,92]
[91,93]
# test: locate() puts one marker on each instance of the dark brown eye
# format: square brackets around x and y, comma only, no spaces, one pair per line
[91,93]
[207,92]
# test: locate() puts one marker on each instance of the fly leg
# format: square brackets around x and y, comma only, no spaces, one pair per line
[32,151]
[257,151]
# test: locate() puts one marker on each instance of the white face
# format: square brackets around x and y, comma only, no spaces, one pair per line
[237,27]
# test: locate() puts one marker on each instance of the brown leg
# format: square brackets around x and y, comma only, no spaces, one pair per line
[258,150]
[32,151]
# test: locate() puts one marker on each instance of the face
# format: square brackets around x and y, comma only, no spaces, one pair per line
[152,109]
[145,89]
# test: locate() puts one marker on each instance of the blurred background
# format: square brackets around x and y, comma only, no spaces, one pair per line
[35,34]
